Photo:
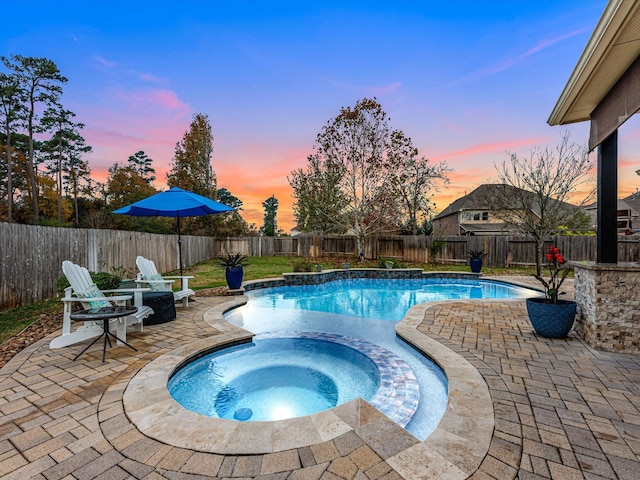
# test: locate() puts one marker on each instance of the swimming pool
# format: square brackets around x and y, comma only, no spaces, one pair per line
[368,309]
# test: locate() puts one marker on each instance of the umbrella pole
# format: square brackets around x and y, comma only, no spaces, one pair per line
[179,245]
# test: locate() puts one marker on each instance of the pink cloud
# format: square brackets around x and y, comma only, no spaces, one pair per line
[154,98]
[484,148]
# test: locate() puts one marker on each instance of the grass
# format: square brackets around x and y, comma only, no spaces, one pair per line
[208,275]
[14,320]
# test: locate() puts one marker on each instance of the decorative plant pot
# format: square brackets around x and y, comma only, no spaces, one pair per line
[318,268]
[234,277]
[346,265]
[389,265]
[551,320]
[475,264]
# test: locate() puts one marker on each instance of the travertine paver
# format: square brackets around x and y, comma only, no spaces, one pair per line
[561,409]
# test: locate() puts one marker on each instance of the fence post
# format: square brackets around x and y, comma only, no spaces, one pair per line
[92,250]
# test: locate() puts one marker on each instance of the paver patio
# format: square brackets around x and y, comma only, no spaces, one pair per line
[562,410]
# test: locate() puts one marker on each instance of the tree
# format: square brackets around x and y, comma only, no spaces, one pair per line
[191,167]
[11,107]
[270,227]
[538,189]
[362,178]
[318,198]
[141,163]
[413,181]
[39,78]
[125,185]
[65,150]
[78,170]
[356,141]
[230,224]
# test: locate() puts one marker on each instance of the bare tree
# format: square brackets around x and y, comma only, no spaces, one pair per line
[350,153]
[363,178]
[539,187]
[413,179]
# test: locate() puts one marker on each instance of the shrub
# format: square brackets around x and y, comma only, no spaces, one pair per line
[382,263]
[232,261]
[302,266]
[103,280]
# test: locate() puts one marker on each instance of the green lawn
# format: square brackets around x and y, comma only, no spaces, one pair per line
[14,320]
[209,274]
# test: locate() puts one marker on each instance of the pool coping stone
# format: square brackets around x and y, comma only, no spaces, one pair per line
[457,446]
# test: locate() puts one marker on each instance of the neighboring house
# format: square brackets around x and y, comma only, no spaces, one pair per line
[628,216]
[633,201]
[473,214]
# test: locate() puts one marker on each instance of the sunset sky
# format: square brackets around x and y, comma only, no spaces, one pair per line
[468,81]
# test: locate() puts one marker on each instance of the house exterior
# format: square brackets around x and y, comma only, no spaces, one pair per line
[471,215]
[627,215]
[474,214]
[633,201]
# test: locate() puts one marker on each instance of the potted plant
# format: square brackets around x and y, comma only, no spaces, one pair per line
[234,271]
[550,316]
[475,260]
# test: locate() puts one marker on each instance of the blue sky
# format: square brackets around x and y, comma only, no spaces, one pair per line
[466,83]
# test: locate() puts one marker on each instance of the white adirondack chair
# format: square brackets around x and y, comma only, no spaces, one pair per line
[81,285]
[149,275]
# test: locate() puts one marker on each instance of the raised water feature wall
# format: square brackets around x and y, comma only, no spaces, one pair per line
[608,305]
[314,278]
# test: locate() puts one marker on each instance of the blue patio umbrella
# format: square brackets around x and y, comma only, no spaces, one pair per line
[175,203]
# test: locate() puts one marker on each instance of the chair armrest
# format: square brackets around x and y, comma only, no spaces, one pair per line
[155,281]
[132,290]
[118,298]
[137,294]
[184,280]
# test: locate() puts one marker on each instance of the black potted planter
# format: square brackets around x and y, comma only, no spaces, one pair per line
[551,320]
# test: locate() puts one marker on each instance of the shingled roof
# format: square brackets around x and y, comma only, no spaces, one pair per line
[478,199]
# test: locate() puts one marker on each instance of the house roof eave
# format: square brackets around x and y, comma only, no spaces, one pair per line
[611,49]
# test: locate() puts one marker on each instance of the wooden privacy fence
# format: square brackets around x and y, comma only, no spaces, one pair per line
[502,251]
[32,256]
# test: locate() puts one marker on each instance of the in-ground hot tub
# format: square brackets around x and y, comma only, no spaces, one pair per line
[287,375]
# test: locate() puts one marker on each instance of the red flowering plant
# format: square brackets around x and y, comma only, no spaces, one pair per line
[558,273]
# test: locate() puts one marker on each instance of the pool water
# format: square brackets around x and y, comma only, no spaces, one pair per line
[275,378]
[377,298]
[364,309]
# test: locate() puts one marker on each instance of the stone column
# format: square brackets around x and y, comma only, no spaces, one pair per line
[608,298]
